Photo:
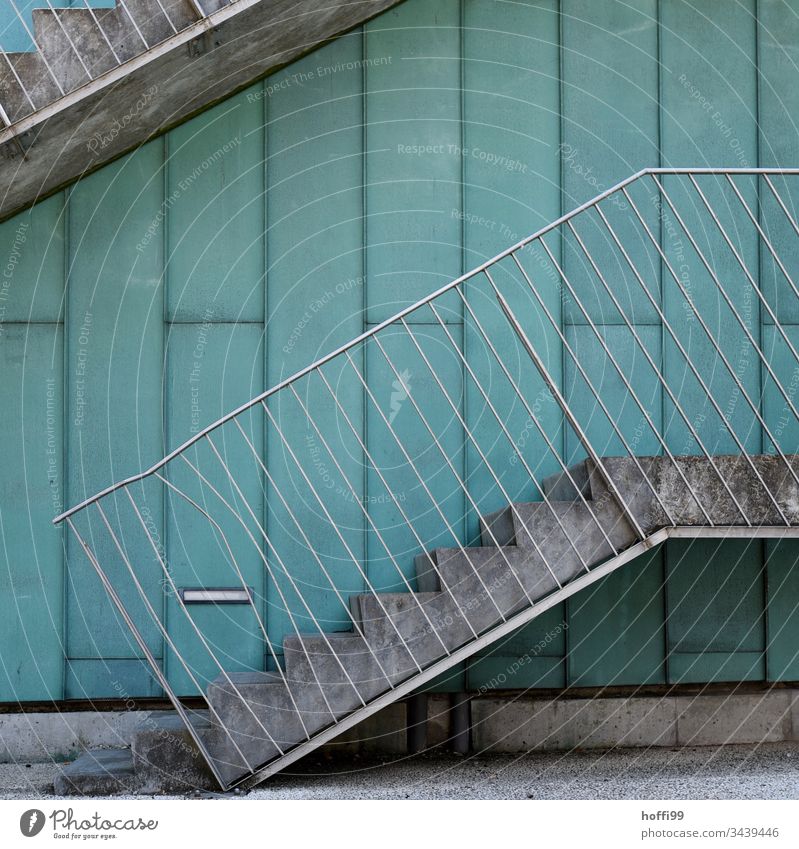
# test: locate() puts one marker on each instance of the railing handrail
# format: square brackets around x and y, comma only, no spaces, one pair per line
[362,337]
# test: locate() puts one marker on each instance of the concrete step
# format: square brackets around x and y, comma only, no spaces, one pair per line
[166,759]
[255,718]
[752,480]
[33,75]
[411,630]
[67,38]
[489,583]
[99,772]
[342,663]
[158,19]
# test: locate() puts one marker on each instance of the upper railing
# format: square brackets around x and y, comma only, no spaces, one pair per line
[656,320]
[79,42]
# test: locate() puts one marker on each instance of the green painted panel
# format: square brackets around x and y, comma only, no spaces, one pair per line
[778,54]
[31,494]
[610,130]
[215,367]
[533,656]
[716,667]
[401,398]
[414,154]
[32,254]
[486,674]
[780,406]
[715,604]
[214,195]
[114,364]
[782,570]
[110,678]
[605,380]
[617,628]
[708,109]
[511,173]
[315,299]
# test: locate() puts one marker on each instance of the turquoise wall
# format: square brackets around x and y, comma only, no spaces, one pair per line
[176,283]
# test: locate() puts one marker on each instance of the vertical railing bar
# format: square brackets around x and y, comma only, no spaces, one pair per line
[36,44]
[716,345]
[96,20]
[661,377]
[60,23]
[421,480]
[142,643]
[534,419]
[176,594]
[553,388]
[397,504]
[270,574]
[611,419]
[376,530]
[240,575]
[494,475]
[681,347]
[133,21]
[154,615]
[310,548]
[628,383]
[461,483]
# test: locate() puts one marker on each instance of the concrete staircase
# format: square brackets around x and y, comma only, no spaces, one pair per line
[103,80]
[531,555]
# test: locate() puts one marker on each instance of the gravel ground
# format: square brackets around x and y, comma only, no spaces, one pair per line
[769,771]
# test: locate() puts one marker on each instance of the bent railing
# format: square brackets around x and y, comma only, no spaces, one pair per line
[654,324]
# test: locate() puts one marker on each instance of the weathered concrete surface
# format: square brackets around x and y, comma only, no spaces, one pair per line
[132,103]
[525,724]
[751,718]
[103,772]
[530,724]
[166,758]
[36,737]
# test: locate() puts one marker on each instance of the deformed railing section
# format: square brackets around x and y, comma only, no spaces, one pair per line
[651,332]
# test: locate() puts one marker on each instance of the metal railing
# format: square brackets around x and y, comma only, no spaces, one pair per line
[102,39]
[645,336]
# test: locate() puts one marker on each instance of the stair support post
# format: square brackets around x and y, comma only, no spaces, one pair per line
[416,723]
[460,723]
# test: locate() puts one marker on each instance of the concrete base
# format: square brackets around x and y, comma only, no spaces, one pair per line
[525,723]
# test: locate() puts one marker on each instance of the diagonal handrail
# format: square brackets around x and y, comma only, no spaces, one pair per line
[600,510]
[403,313]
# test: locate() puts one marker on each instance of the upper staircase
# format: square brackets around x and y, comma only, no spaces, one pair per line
[563,481]
[82,81]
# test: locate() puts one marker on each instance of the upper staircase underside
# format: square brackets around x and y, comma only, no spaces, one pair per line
[101,81]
